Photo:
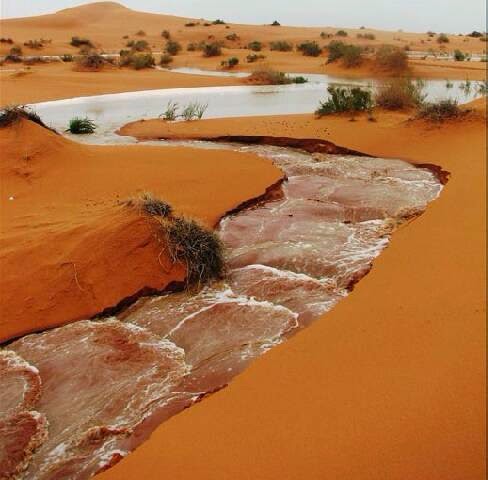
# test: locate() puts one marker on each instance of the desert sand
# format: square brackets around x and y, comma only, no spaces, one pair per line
[389,385]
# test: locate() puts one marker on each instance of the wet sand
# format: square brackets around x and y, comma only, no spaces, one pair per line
[391,383]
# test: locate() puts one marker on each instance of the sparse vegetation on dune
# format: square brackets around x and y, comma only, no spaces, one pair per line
[213,49]
[171,112]
[400,94]
[67,57]
[81,126]
[34,44]
[141,33]
[351,55]
[366,36]
[92,61]
[165,60]
[276,24]
[255,46]
[173,47]
[267,76]
[341,33]
[9,41]
[281,46]
[154,206]
[79,42]
[392,59]
[12,114]
[345,99]
[194,111]
[440,111]
[310,49]
[442,38]
[229,63]
[166,34]
[232,37]
[254,57]
[138,45]
[219,21]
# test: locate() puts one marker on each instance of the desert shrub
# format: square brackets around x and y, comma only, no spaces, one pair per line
[92,61]
[345,99]
[79,42]
[475,34]
[218,22]
[194,111]
[15,51]
[138,46]
[341,33]
[6,40]
[389,57]
[171,112]
[255,46]
[67,57]
[143,60]
[310,49]
[431,34]
[325,35]
[254,57]
[366,36]
[440,110]
[276,24]
[166,34]
[13,58]
[213,49]
[173,47]
[191,47]
[34,44]
[12,114]
[400,94]
[335,50]
[230,62]
[442,38]
[200,250]
[81,126]
[232,37]
[165,60]
[141,33]
[191,24]
[154,206]
[459,56]
[271,77]
[281,46]
[299,79]
[352,56]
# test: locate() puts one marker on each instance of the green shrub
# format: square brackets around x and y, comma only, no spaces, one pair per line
[299,79]
[200,250]
[138,46]
[230,62]
[194,111]
[143,60]
[92,61]
[81,126]
[213,49]
[442,38]
[165,60]
[191,47]
[459,56]
[400,94]
[281,46]
[271,77]
[255,46]
[171,112]
[440,111]
[166,34]
[352,56]
[394,59]
[310,49]
[254,57]
[78,42]
[345,99]
[173,47]
[341,33]
[12,114]
[335,50]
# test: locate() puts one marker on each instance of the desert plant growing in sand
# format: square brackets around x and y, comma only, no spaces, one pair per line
[34,44]
[310,49]
[276,24]
[12,114]
[91,61]
[439,111]
[345,99]
[165,60]
[229,63]
[442,38]
[219,21]
[335,50]
[352,56]
[366,36]
[138,46]
[143,60]
[78,42]
[400,94]
[325,35]
[154,206]
[81,126]
[166,34]
[173,47]
[213,49]
[281,46]
[232,37]
[171,112]
[16,51]
[255,46]
[391,58]
[191,24]
[67,57]
[267,76]
[6,40]
[341,33]
[254,57]
[459,56]
[141,33]
[194,111]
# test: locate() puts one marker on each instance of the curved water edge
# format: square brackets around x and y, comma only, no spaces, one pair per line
[290,259]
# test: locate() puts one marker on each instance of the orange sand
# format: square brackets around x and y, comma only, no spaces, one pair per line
[391,383]
[69,250]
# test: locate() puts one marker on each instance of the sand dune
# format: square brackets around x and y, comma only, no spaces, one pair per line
[62,221]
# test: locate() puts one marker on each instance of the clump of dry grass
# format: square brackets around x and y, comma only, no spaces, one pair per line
[440,111]
[155,206]
[400,94]
[391,58]
[12,114]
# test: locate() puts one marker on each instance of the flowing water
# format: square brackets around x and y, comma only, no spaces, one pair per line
[107,384]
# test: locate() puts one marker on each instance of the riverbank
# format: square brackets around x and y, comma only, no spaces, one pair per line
[393,379]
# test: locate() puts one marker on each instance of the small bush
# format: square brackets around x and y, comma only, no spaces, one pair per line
[335,50]
[81,126]
[254,57]
[440,111]
[154,206]
[255,46]
[310,49]
[200,250]
[79,42]
[230,63]
[281,46]
[67,58]
[141,33]
[194,111]
[34,44]
[166,34]
[352,56]
[276,24]
[218,22]
[173,47]
[271,77]
[6,40]
[394,59]
[191,24]
[12,114]
[232,37]
[138,46]
[299,80]
[324,35]
[475,34]
[366,36]
[165,60]
[400,94]
[191,47]
[138,61]
[344,99]
[171,112]
[341,33]
[459,56]
[15,51]
[92,61]
[442,38]
[213,49]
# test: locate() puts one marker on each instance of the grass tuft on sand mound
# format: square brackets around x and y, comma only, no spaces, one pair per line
[12,114]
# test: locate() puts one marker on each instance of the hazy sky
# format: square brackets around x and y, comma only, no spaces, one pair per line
[454,16]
